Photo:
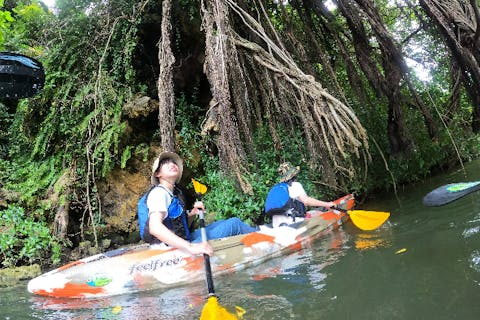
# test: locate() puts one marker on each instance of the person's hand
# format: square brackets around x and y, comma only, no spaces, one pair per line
[200,248]
[198,205]
[330,204]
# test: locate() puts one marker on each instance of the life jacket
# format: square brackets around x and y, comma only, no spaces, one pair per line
[279,202]
[176,220]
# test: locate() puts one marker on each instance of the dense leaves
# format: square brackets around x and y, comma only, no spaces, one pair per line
[24,240]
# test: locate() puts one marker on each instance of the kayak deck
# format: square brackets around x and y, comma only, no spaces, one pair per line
[146,267]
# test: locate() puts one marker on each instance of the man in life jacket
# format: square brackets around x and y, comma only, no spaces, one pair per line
[167,220]
[286,201]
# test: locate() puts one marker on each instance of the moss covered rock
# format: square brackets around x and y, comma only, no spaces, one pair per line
[11,276]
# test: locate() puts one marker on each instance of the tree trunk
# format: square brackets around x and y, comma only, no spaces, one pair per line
[393,67]
[166,94]
[219,48]
[458,22]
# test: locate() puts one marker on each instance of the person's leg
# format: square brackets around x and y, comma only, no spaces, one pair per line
[222,229]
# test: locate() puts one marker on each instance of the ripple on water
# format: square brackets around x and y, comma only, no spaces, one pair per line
[475,261]
[467,233]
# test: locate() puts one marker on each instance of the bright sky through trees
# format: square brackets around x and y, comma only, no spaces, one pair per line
[421,71]
[49,3]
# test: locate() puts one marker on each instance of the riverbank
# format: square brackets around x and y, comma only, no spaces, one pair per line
[12,276]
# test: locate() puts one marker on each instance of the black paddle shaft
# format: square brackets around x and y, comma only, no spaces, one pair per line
[206,257]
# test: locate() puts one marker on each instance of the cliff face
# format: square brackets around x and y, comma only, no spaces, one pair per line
[119,194]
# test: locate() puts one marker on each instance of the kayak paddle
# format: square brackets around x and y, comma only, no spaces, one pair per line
[212,310]
[366,220]
[450,192]
[20,76]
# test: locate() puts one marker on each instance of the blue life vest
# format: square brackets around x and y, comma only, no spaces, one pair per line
[176,220]
[142,212]
[278,202]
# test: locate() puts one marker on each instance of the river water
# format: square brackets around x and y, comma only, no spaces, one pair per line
[423,264]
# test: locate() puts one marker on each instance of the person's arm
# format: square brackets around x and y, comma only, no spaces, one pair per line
[297,191]
[312,202]
[160,231]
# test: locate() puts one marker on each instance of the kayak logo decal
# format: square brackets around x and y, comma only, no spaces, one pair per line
[461,186]
[154,265]
[99,281]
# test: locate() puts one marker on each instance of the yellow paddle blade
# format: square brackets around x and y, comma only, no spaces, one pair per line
[213,311]
[199,187]
[368,220]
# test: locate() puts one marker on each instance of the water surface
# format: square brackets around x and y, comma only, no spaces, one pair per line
[423,264]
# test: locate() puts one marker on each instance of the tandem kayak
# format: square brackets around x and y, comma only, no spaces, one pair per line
[147,267]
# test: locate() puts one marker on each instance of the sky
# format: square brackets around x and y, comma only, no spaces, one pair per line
[49,3]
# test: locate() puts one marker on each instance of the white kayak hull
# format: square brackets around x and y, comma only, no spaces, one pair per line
[146,267]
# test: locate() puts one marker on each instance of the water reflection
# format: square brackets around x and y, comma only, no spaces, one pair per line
[292,276]
[371,240]
[296,278]
[179,303]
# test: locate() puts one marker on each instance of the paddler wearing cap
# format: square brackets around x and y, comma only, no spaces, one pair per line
[286,201]
[167,220]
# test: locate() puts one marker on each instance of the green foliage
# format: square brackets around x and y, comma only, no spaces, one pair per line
[6,20]
[225,197]
[76,122]
[188,124]
[24,240]
[127,154]
[5,120]
[22,28]
[30,183]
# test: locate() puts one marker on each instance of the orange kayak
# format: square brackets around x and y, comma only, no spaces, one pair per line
[147,267]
